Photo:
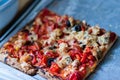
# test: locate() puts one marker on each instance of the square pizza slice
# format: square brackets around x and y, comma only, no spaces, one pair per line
[57,47]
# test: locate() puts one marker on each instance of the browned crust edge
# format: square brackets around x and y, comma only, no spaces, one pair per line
[47,75]
[14,63]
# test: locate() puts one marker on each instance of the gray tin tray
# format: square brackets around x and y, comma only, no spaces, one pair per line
[104,13]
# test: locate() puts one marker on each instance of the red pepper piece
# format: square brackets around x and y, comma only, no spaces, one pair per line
[84,58]
[44,61]
[34,61]
[75,76]
[54,68]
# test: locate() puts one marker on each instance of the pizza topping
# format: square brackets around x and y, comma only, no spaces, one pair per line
[75,63]
[18,43]
[71,21]
[70,68]
[49,61]
[27,43]
[95,30]
[68,23]
[76,28]
[52,47]
[88,39]
[32,37]
[104,39]
[63,48]
[54,68]
[112,36]
[25,31]
[25,58]
[64,61]
[54,36]
[75,76]
[79,35]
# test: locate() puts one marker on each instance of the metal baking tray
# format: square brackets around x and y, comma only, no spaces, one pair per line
[94,12]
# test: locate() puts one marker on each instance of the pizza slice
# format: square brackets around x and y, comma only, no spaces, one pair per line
[57,47]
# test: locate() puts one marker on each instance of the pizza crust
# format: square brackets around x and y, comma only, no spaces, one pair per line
[24,67]
[3,57]
[47,75]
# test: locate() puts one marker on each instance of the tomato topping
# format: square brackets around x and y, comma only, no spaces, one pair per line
[76,52]
[75,76]
[61,41]
[78,57]
[43,61]
[91,57]
[83,28]
[44,37]
[9,47]
[52,54]
[32,47]
[39,54]
[112,36]
[36,29]
[84,58]
[54,68]
[34,61]
[102,31]
[82,69]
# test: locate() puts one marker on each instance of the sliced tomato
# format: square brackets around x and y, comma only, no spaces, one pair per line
[43,61]
[91,63]
[112,36]
[61,41]
[75,76]
[34,61]
[39,54]
[37,45]
[78,57]
[77,49]
[42,31]
[102,31]
[44,37]
[83,28]
[54,68]
[36,29]
[84,58]
[76,52]
[91,57]
[32,47]
[72,54]
[83,69]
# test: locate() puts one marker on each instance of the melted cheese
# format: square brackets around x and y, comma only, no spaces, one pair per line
[70,68]
[104,39]
[33,37]
[95,30]
[54,35]
[63,48]
[18,43]
[79,35]
[65,61]
[88,39]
